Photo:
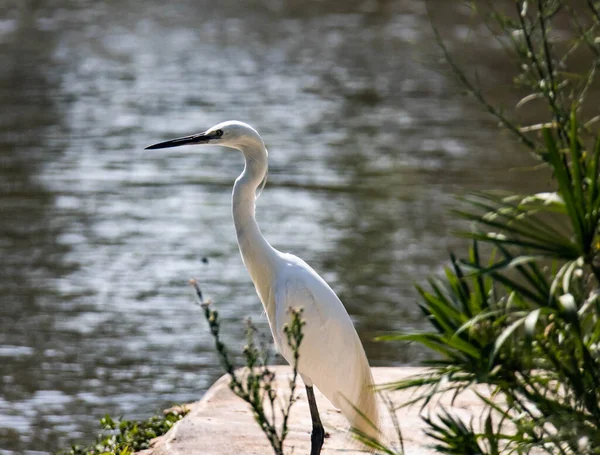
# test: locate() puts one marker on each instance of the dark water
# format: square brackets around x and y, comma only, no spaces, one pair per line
[368,142]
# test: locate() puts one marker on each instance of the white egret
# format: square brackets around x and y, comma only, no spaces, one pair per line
[331,354]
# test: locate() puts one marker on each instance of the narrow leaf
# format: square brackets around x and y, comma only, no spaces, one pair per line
[504,336]
[530,322]
[564,184]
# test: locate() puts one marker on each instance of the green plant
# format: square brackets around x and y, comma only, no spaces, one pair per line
[255,384]
[124,437]
[525,321]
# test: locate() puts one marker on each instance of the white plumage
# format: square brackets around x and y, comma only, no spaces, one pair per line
[331,354]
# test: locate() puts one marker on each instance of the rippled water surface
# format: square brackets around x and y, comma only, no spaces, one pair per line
[368,142]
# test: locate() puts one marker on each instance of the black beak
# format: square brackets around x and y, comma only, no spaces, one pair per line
[200,138]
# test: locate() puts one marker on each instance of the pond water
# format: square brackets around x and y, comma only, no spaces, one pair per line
[368,143]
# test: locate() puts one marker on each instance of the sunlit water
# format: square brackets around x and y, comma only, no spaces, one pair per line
[98,238]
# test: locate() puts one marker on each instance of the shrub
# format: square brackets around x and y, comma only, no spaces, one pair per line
[520,311]
[124,437]
[255,384]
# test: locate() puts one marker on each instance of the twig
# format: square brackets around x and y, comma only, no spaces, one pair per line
[259,378]
[475,91]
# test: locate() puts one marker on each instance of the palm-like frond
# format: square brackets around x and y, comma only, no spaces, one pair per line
[523,317]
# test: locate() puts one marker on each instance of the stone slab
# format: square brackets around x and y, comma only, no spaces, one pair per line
[221,423]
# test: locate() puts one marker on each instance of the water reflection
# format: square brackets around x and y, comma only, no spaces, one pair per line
[29,231]
[99,239]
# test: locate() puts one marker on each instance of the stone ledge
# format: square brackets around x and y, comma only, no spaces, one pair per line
[221,423]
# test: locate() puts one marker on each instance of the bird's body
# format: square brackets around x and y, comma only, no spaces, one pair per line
[331,355]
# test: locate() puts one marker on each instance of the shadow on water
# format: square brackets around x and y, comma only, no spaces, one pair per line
[367,144]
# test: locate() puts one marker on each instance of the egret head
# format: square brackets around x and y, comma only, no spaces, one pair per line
[232,134]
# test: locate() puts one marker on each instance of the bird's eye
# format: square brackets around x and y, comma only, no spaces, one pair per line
[219,133]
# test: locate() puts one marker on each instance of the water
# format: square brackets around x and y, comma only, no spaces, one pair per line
[367,140]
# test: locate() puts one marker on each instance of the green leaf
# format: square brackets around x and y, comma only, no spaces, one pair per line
[477,319]
[511,284]
[506,333]
[567,302]
[531,322]
[509,263]
[593,191]
[517,210]
[576,165]
[538,236]
[430,340]
[564,184]
[445,314]
[548,202]
[468,348]
[479,297]
[561,251]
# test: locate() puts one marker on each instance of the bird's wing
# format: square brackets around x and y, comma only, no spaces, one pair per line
[331,354]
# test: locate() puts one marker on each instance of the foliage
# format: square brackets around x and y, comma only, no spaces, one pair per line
[373,443]
[520,312]
[256,383]
[124,437]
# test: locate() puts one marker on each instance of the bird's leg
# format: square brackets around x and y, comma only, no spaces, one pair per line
[318,432]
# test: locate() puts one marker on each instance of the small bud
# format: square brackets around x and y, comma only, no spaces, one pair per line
[524,9]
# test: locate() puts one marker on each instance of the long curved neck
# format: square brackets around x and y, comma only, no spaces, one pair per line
[258,255]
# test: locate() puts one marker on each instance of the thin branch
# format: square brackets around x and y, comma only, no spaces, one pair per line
[475,91]
[594,10]
[546,41]
[545,81]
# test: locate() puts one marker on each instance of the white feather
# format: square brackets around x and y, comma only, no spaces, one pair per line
[331,354]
